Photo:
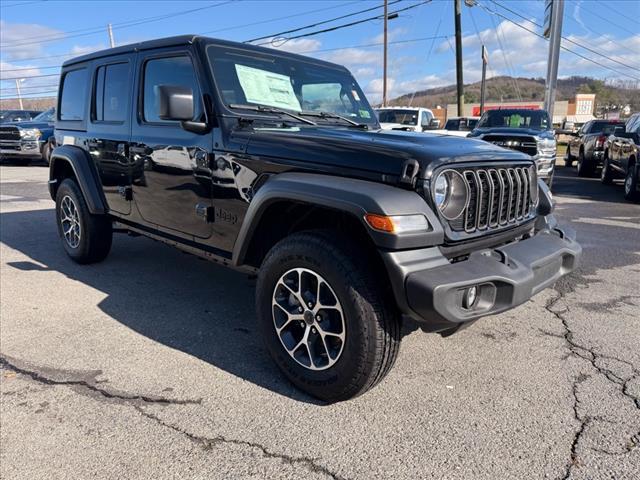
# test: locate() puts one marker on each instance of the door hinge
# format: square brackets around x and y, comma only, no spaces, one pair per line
[205,212]
[126,193]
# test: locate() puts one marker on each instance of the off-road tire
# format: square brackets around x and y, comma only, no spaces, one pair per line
[568,159]
[96,231]
[46,153]
[372,322]
[606,175]
[631,183]
[585,168]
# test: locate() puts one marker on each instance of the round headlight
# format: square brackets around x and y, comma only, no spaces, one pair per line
[450,194]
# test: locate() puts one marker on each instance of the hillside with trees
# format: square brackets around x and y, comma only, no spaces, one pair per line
[505,89]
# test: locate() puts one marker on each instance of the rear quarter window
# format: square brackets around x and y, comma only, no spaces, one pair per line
[73,99]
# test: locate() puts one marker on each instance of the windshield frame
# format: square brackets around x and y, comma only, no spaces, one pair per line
[272,56]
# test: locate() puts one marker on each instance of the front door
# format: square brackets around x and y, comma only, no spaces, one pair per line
[170,167]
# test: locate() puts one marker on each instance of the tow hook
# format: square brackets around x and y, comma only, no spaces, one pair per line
[409,172]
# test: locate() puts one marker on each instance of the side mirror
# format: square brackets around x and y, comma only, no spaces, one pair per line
[434,123]
[175,103]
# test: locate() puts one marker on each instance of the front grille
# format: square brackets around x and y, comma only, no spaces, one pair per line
[498,197]
[9,133]
[522,144]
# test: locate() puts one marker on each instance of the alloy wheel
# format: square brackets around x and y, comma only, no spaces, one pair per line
[70,221]
[308,319]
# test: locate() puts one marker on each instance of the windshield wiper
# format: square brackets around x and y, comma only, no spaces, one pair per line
[323,114]
[263,109]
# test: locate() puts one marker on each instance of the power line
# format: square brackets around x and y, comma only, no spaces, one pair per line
[568,39]
[28,68]
[320,23]
[378,44]
[345,25]
[28,95]
[31,87]
[599,16]
[31,76]
[127,24]
[561,46]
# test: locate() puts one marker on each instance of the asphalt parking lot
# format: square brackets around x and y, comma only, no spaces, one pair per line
[148,366]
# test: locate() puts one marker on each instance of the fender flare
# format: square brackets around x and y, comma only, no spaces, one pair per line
[347,195]
[86,174]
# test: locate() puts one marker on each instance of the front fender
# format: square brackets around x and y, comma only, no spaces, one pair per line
[85,173]
[348,195]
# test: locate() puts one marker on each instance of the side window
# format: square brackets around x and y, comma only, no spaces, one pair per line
[73,100]
[585,128]
[111,93]
[424,121]
[176,71]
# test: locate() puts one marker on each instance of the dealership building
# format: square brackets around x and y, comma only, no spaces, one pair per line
[578,110]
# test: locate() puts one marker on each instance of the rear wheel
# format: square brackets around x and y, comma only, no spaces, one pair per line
[568,159]
[325,316]
[606,176]
[46,153]
[631,183]
[85,237]
[585,169]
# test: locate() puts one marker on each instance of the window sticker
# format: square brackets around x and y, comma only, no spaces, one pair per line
[364,114]
[355,95]
[267,88]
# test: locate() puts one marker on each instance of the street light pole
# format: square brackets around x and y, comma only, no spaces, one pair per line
[18,80]
[112,43]
[555,38]
[384,62]
[459,79]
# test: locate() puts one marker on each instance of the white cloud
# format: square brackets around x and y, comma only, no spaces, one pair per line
[353,57]
[13,34]
[392,34]
[78,50]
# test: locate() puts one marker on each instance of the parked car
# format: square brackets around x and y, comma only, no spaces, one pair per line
[7,116]
[348,227]
[527,131]
[410,119]
[587,145]
[458,126]
[29,140]
[621,157]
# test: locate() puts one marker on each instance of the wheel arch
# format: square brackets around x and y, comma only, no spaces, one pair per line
[292,202]
[68,161]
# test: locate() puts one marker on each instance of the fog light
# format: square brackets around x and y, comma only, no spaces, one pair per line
[469,297]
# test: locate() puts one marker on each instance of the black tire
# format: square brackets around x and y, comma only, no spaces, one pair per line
[631,183]
[371,321]
[585,168]
[568,159]
[46,153]
[95,231]
[606,175]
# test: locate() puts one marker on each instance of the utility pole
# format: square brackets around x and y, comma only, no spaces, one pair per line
[110,30]
[554,11]
[384,62]
[485,60]
[18,80]
[459,80]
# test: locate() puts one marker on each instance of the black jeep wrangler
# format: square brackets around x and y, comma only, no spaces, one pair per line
[274,164]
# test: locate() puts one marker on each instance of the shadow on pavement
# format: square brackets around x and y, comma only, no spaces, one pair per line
[177,299]
[568,184]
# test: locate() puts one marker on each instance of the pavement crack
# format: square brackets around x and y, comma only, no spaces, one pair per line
[583,424]
[84,381]
[210,442]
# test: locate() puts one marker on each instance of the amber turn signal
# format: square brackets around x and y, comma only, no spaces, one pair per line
[379,222]
[397,224]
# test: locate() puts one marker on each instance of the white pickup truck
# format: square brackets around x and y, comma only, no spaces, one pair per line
[410,119]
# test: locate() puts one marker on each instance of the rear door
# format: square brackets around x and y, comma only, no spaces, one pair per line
[110,128]
[171,179]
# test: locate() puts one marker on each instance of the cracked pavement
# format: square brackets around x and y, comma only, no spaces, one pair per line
[147,366]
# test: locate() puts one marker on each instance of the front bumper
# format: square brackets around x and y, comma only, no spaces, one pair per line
[505,277]
[21,148]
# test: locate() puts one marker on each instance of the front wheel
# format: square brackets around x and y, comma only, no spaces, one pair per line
[606,176]
[585,168]
[631,183]
[325,316]
[85,237]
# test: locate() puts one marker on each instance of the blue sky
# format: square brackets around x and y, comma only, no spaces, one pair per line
[606,26]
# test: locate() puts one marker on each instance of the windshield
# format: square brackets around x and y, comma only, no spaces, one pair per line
[538,119]
[404,117]
[245,77]
[464,124]
[46,116]
[604,127]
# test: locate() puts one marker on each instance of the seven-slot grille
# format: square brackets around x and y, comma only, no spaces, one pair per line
[498,197]
[9,133]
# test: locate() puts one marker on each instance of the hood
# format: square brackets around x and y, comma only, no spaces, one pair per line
[511,131]
[381,151]
[30,124]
